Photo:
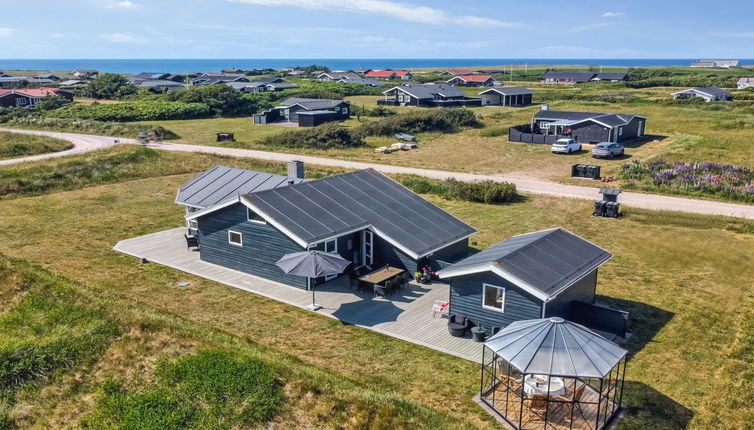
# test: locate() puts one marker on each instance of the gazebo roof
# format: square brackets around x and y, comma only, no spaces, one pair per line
[554,346]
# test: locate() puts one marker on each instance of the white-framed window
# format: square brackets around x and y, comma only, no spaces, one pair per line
[493,297]
[193,224]
[620,131]
[367,243]
[345,111]
[254,217]
[408,98]
[331,246]
[400,97]
[235,238]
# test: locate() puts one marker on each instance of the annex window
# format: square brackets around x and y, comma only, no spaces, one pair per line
[345,111]
[620,131]
[254,217]
[493,297]
[235,238]
[193,224]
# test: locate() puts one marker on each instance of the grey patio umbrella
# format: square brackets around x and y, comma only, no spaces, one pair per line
[312,264]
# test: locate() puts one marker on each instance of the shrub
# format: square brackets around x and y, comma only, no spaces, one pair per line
[90,126]
[327,136]
[133,111]
[219,99]
[443,120]
[210,389]
[490,192]
[110,86]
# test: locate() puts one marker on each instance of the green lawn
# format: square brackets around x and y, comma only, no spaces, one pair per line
[684,278]
[14,145]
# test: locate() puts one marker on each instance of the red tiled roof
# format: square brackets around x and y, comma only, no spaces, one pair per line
[379,74]
[32,92]
[401,72]
[475,78]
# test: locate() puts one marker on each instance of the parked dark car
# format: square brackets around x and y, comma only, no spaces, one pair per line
[607,150]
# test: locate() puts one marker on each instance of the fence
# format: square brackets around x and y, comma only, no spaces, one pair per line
[522,133]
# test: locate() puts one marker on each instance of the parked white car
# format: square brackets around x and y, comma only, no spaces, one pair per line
[565,146]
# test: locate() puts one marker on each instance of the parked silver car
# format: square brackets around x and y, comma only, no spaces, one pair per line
[607,150]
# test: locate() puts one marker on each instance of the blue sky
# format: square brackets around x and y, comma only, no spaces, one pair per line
[376,29]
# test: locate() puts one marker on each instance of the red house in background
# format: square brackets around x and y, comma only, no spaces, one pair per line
[30,97]
[389,74]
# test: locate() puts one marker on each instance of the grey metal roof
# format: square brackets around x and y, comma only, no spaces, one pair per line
[713,91]
[339,75]
[571,76]
[311,104]
[282,85]
[71,82]
[610,119]
[553,346]
[611,76]
[220,184]
[363,81]
[548,260]
[14,79]
[242,85]
[509,91]
[162,83]
[151,76]
[271,80]
[428,91]
[328,207]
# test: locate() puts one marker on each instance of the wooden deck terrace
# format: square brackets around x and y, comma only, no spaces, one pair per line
[559,416]
[406,315]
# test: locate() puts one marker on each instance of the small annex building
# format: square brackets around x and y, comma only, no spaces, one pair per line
[507,96]
[534,275]
[709,94]
[306,112]
[427,95]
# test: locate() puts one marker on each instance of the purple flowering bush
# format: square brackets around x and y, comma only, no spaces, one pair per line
[724,180]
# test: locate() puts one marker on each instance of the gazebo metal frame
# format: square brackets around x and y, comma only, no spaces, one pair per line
[589,403]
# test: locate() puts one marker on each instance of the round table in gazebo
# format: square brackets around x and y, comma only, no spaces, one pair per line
[552,373]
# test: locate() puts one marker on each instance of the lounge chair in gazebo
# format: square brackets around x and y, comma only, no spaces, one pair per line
[552,374]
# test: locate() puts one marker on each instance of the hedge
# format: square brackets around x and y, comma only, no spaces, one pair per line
[490,192]
[444,120]
[138,111]
[327,136]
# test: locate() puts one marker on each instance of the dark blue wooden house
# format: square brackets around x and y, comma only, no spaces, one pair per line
[534,275]
[364,216]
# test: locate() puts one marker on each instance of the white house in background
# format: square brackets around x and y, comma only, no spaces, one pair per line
[744,83]
[709,94]
[723,64]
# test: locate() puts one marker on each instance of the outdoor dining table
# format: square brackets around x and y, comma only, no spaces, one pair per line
[538,384]
[381,275]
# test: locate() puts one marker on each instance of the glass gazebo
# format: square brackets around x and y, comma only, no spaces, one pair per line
[552,374]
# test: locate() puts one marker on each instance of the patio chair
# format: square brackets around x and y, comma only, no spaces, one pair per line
[191,241]
[379,290]
[536,407]
[398,282]
[573,399]
[390,286]
[441,306]
[457,325]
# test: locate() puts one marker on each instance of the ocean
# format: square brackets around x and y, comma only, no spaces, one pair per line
[206,65]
